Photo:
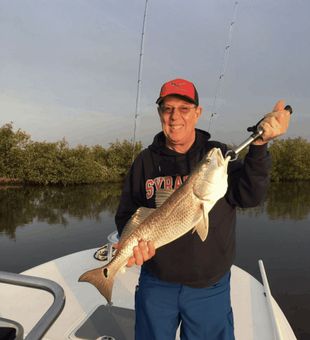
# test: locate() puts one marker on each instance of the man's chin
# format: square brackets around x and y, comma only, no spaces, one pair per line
[174,140]
[176,136]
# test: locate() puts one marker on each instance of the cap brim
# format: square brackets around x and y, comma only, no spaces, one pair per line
[187,99]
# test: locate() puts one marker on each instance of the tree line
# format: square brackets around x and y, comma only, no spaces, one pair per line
[27,161]
[290,159]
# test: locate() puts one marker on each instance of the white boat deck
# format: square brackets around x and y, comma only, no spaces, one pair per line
[251,314]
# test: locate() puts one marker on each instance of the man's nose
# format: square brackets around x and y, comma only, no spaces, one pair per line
[175,113]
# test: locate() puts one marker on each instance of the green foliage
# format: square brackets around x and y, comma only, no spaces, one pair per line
[57,163]
[116,159]
[12,145]
[291,160]
[119,158]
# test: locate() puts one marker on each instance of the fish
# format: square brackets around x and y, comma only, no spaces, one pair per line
[177,212]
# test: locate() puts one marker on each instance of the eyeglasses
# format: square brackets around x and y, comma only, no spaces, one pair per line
[184,109]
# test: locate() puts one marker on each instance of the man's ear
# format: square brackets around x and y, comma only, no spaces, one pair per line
[158,111]
[198,111]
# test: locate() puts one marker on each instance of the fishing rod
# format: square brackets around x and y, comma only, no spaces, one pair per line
[257,132]
[223,68]
[139,81]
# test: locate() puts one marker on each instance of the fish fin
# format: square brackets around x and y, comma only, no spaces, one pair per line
[162,195]
[102,278]
[202,227]
[136,219]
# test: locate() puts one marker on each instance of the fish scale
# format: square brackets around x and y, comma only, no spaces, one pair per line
[186,209]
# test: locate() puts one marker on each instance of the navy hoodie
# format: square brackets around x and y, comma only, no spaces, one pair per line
[188,260]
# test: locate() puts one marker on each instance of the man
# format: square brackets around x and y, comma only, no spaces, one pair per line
[188,281]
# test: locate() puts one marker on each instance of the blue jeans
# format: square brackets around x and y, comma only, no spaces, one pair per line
[204,313]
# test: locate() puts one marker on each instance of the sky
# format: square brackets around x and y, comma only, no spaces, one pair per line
[69,68]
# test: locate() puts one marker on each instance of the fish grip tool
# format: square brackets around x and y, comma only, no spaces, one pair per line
[257,132]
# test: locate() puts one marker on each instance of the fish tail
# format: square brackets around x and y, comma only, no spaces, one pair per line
[102,278]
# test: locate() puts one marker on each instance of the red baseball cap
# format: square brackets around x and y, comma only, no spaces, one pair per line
[179,87]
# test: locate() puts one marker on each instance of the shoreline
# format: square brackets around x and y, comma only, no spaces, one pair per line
[6,181]
[11,182]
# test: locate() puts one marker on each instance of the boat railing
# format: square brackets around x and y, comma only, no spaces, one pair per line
[49,317]
[276,328]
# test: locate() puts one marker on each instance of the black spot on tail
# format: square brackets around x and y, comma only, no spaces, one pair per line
[105,272]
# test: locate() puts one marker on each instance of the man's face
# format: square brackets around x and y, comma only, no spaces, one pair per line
[178,119]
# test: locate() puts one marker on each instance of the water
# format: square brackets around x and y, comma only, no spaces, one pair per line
[39,224]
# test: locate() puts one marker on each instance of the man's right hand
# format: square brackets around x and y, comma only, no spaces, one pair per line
[141,253]
[274,124]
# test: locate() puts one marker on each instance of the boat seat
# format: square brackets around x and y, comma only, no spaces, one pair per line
[10,330]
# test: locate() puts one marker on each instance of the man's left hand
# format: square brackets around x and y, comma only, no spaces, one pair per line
[274,124]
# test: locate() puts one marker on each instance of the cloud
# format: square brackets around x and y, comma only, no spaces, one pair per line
[69,68]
